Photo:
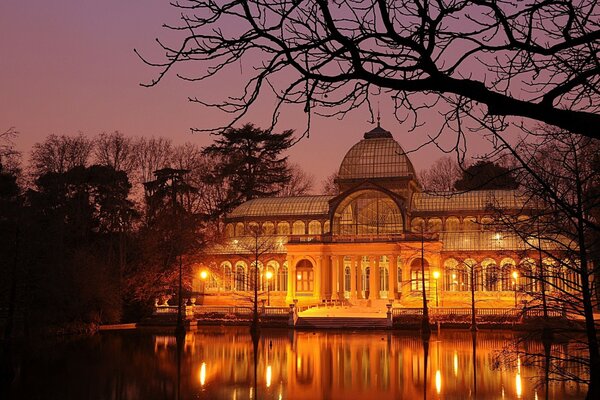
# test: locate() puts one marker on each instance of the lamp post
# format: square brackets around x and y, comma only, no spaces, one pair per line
[203,276]
[515,276]
[436,276]
[269,276]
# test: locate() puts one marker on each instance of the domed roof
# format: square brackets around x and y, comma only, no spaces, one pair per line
[378,155]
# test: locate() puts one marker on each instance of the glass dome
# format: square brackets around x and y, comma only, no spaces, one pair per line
[378,155]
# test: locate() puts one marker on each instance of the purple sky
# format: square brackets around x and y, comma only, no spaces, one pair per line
[68,66]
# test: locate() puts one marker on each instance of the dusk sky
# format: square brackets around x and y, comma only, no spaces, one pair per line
[69,66]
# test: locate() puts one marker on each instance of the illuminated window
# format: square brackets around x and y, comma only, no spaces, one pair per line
[416,274]
[299,228]
[304,276]
[367,212]
[314,228]
[283,278]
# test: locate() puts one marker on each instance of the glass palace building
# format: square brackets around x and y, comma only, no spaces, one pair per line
[366,245]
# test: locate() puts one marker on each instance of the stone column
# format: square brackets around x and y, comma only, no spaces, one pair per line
[341,277]
[393,286]
[373,277]
[317,292]
[405,280]
[326,277]
[359,278]
[291,289]
[353,279]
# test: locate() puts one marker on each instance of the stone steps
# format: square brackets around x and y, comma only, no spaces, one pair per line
[341,323]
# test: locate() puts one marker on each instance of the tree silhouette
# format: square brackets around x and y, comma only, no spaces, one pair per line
[537,60]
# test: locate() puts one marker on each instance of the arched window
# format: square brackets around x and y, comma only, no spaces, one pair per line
[227,275]
[229,231]
[470,224]
[270,271]
[239,229]
[347,278]
[314,228]
[416,276]
[452,224]
[240,282]
[253,229]
[417,224]
[472,267]
[528,273]
[455,276]
[283,228]
[434,225]
[268,228]
[326,227]
[384,279]
[304,276]
[283,278]
[369,213]
[507,266]
[490,275]
[299,228]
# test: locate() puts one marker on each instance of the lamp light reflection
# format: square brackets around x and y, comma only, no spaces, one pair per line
[202,374]
[269,376]
[438,381]
[455,363]
[518,383]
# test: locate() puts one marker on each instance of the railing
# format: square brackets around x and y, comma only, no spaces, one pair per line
[466,311]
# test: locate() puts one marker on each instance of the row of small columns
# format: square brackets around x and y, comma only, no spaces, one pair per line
[329,277]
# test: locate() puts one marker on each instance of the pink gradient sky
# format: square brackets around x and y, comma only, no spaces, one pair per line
[68,66]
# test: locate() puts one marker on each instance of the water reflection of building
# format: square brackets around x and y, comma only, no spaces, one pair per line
[332,365]
[365,243]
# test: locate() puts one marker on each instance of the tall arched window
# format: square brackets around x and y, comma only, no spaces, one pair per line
[507,266]
[452,224]
[283,228]
[347,279]
[227,275]
[283,278]
[416,276]
[369,213]
[240,281]
[314,228]
[304,276]
[490,272]
[299,228]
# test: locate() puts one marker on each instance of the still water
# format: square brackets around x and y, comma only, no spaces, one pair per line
[221,363]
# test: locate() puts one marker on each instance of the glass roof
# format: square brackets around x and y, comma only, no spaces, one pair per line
[474,200]
[376,157]
[283,206]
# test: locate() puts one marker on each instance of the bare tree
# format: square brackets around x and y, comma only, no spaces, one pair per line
[329,186]
[152,154]
[535,59]
[115,150]
[300,183]
[60,153]
[558,172]
[441,175]
[10,158]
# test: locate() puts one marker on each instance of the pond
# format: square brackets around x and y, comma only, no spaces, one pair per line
[220,363]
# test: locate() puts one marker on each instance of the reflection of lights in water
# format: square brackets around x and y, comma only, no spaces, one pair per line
[280,396]
[298,363]
[203,374]
[518,383]
[455,363]
[251,392]
[268,376]
[438,381]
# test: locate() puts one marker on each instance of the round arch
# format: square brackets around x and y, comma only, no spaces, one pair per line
[368,212]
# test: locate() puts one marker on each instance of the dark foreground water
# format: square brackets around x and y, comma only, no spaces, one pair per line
[224,363]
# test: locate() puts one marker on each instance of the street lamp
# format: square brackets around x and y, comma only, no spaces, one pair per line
[436,276]
[269,276]
[203,276]
[515,276]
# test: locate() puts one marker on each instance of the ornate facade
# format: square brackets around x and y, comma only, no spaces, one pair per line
[367,244]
